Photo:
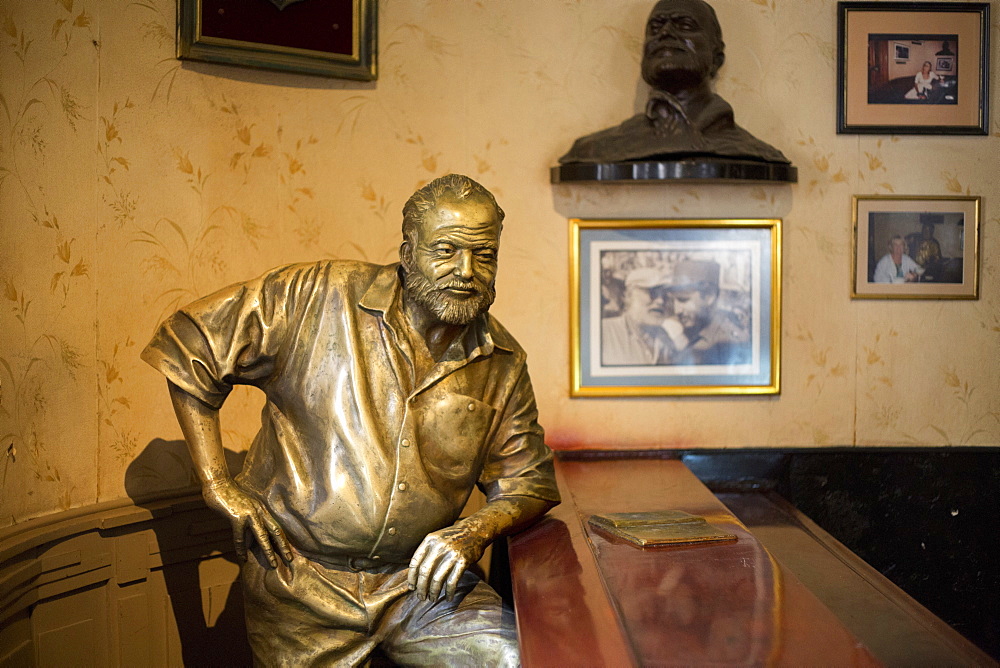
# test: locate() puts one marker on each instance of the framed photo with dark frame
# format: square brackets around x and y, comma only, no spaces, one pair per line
[913,67]
[916,247]
[331,38]
[675,307]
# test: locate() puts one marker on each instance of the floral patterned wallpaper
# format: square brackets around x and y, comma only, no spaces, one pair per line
[131,183]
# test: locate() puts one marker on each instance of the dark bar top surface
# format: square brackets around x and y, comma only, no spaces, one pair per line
[586,599]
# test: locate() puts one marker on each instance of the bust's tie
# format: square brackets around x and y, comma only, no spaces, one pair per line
[669,118]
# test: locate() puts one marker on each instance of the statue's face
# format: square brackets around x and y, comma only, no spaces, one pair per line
[680,45]
[692,308]
[453,265]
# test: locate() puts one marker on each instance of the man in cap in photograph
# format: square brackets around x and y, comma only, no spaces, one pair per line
[713,335]
[637,337]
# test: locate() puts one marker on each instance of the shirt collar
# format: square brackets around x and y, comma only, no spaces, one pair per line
[482,335]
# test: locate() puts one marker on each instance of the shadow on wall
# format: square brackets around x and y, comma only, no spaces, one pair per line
[197,557]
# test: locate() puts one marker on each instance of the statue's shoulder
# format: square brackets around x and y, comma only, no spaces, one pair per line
[318,279]
[503,338]
[331,272]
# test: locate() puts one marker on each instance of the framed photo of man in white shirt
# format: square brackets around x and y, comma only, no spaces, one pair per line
[916,247]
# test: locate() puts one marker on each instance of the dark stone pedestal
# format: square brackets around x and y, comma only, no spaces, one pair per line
[704,170]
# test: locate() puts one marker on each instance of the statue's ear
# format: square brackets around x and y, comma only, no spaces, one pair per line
[720,57]
[406,254]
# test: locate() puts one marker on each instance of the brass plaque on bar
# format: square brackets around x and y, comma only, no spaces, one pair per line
[660,527]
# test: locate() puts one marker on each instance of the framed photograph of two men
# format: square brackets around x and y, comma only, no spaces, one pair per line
[675,307]
[331,38]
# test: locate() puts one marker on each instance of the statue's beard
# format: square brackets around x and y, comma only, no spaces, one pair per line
[673,77]
[449,309]
[680,70]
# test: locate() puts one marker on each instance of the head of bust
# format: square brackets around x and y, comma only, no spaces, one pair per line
[683,48]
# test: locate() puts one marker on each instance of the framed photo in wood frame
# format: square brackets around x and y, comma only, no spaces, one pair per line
[331,38]
[915,247]
[675,307]
[913,67]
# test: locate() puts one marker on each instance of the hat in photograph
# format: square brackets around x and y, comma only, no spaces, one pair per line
[647,277]
[689,274]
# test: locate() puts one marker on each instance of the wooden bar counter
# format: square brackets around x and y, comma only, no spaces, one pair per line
[583,599]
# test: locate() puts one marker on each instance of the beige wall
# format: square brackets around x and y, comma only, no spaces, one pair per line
[130,183]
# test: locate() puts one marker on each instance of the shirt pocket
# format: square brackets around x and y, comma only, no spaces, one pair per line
[452,430]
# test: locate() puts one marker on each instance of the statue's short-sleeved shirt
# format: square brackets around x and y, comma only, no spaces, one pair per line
[356,456]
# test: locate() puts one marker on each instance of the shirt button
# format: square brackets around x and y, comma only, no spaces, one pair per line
[392,531]
[405,443]
[402,487]
[472,407]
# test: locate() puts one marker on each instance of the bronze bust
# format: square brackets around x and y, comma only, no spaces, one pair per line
[391,393]
[682,53]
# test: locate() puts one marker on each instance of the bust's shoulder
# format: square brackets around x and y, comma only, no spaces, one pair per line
[636,138]
[605,145]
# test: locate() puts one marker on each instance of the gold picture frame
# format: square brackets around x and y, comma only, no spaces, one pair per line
[334,38]
[938,237]
[675,307]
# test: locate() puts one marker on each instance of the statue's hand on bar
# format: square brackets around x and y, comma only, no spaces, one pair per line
[442,557]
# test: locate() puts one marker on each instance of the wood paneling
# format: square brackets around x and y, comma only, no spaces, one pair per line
[122,585]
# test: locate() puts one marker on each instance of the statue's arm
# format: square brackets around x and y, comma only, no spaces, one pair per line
[444,555]
[200,425]
[519,482]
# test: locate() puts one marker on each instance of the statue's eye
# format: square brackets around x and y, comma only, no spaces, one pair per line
[444,252]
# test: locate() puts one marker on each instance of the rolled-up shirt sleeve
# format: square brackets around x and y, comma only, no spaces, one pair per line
[230,337]
[519,463]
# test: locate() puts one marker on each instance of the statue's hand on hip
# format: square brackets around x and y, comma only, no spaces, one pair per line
[442,557]
[247,515]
